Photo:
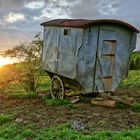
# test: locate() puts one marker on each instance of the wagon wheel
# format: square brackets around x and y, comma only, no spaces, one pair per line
[57,88]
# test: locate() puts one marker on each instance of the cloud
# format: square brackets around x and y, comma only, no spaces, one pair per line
[12,37]
[108,7]
[85,9]
[35,5]
[126,10]
[20,19]
[10,4]
[13,17]
[56,9]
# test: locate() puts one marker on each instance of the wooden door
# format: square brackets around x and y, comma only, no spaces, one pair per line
[105,61]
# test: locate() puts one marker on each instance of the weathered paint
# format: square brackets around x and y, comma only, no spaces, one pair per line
[97,56]
[60,52]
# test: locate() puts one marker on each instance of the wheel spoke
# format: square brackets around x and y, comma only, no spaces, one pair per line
[55,84]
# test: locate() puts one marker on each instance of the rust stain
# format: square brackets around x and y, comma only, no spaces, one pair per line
[82,23]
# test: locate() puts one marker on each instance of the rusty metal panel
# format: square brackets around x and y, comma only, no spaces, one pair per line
[82,23]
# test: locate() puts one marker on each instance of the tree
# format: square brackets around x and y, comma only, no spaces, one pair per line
[135,61]
[29,55]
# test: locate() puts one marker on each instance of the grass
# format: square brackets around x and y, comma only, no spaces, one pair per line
[45,82]
[121,106]
[5,119]
[136,107]
[13,131]
[101,123]
[56,102]
[23,95]
[64,132]
[10,130]
[133,80]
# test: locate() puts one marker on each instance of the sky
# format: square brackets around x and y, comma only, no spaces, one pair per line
[20,19]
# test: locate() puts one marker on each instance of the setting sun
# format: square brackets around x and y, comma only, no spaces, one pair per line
[5,61]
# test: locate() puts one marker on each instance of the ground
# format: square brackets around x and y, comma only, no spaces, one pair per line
[28,116]
[35,111]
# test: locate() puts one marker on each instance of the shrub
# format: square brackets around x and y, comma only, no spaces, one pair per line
[136,107]
[135,59]
[29,54]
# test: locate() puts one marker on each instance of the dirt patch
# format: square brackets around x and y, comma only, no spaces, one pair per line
[94,118]
[135,93]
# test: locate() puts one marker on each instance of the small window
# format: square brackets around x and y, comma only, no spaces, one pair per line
[67,32]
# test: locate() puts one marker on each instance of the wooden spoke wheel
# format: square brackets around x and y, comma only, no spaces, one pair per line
[57,88]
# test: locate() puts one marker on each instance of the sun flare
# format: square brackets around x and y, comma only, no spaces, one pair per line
[5,61]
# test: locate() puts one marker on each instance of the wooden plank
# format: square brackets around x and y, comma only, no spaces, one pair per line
[106,103]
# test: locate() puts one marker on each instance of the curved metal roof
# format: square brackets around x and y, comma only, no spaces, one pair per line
[82,23]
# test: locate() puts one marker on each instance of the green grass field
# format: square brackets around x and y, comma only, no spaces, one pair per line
[133,80]
[12,130]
